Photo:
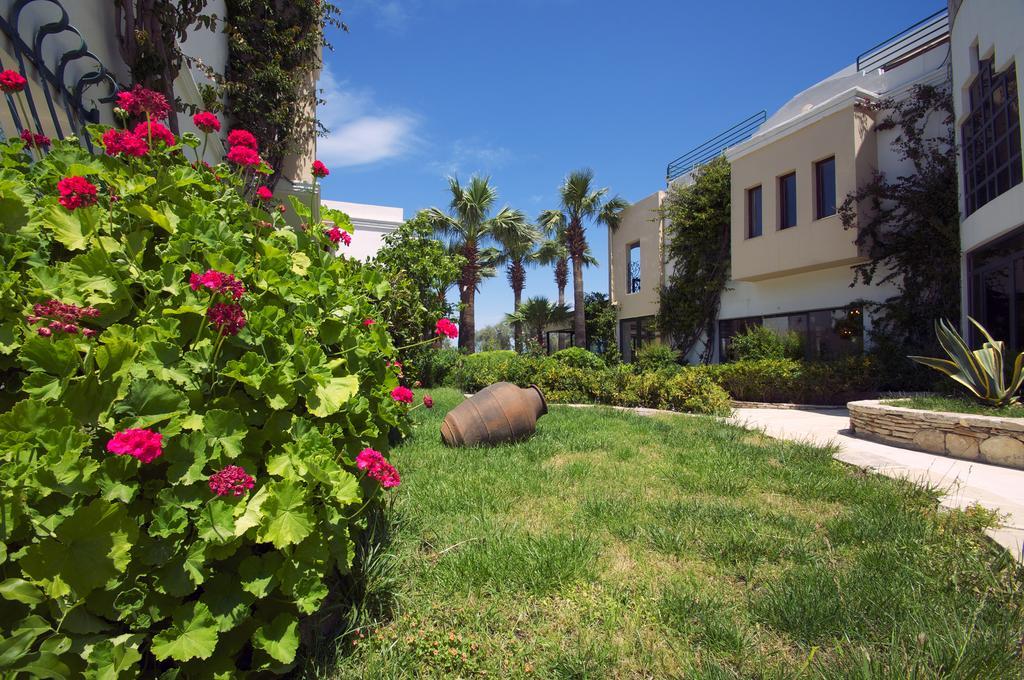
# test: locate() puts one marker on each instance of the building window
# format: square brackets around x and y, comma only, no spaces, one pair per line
[825,188]
[634,334]
[787,201]
[991,137]
[825,334]
[754,212]
[633,273]
[996,280]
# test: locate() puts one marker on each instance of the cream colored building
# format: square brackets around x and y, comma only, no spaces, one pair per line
[987,40]
[791,258]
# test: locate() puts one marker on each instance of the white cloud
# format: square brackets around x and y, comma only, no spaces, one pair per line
[360,131]
[472,156]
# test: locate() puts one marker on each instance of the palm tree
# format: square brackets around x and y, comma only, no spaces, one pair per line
[516,253]
[536,313]
[581,202]
[553,252]
[469,227]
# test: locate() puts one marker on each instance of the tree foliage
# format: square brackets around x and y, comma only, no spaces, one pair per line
[909,227]
[421,271]
[601,320]
[698,251]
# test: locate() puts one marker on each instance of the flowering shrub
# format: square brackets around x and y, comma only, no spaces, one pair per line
[186,399]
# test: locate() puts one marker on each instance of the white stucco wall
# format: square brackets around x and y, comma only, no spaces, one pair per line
[371,222]
[994,27]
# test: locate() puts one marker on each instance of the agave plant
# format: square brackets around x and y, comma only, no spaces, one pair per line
[982,371]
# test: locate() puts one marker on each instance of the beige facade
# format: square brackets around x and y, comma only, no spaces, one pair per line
[844,133]
[798,276]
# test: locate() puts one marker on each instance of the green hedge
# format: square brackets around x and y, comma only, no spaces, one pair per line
[691,390]
[682,388]
[787,380]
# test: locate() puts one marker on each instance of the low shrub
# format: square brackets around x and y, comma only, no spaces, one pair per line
[433,367]
[786,380]
[197,401]
[577,357]
[654,357]
[688,389]
[759,342]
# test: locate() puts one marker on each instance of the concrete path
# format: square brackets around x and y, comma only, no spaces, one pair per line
[965,483]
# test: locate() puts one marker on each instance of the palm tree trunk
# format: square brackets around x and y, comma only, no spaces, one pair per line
[517,327]
[561,303]
[467,295]
[578,318]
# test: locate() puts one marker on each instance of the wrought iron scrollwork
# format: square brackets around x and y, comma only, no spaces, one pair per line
[634,277]
[64,81]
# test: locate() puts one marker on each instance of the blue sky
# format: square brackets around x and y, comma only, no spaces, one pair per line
[527,90]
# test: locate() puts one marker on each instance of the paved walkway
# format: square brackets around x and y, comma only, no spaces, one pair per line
[965,483]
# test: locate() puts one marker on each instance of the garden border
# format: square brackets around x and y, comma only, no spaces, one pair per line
[985,439]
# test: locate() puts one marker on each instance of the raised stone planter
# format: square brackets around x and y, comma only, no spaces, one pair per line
[986,439]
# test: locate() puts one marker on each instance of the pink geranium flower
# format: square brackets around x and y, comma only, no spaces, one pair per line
[244,156]
[218,282]
[206,121]
[428,401]
[377,467]
[243,138]
[155,131]
[31,138]
[228,318]
[11,82]
[232,480]
[76,192]
[447,328]
[145,445]
[124,142]
[337,235]
[320,170]
[139,102]
[368,322]
[264,194]
[402,395]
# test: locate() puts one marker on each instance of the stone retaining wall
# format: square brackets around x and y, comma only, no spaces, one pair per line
[986,439]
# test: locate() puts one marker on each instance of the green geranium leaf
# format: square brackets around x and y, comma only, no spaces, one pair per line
[149,403]
[44,665]
[54,356]
[225,429]
[329,397]
[20,590]
[67,227]
[279,639]
[258,573]
[111,661]
[90,547]
[250,370]
[287,517]
[192,635]
[216,523]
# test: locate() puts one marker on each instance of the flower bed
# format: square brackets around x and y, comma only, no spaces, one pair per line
[986,439]
[194,414]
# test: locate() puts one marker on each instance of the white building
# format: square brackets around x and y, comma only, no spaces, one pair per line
[371,223]
[987,40]
[792,260]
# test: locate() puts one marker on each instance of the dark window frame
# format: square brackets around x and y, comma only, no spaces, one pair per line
[819,189]
[723,344]
[634,280]
[990,136]
[784,206]
[751,222]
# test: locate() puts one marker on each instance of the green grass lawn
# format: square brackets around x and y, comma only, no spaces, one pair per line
[615,545]
[957,405]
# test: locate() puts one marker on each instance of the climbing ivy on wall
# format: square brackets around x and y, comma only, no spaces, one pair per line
[273,47]
[697,250]
[909,227]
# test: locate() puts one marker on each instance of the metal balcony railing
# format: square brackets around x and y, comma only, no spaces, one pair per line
[922,35]
[60,97]
[714,146]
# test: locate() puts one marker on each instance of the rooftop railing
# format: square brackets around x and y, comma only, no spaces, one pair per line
[922,35]
[714,146]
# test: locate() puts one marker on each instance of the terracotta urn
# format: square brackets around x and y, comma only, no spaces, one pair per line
[501,412]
